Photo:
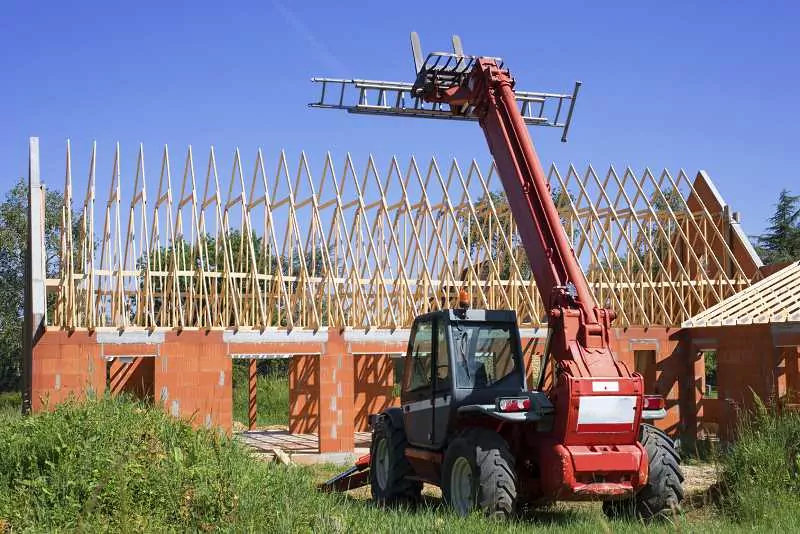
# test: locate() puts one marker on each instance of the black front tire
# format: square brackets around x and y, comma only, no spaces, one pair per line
[392,486]
[494,479]
[663,492]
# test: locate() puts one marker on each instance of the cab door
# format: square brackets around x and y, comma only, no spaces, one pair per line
[417,384]
[442,384]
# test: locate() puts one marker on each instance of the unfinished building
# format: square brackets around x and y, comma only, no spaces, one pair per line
[161,283]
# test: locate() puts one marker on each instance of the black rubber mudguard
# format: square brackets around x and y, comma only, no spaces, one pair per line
[355,477]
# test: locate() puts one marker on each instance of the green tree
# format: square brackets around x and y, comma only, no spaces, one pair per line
[650,242]
[13,239]
[670,199]
[493,233]
[188,258]
[781,242]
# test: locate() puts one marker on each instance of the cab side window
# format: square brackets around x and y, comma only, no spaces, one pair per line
[442,360]
[419,375]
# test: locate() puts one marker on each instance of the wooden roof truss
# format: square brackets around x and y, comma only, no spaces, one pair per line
[292,245]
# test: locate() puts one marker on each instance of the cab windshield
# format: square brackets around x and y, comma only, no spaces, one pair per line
[484,355]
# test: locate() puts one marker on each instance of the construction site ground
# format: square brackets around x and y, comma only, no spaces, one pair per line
[699,484]
[277,444]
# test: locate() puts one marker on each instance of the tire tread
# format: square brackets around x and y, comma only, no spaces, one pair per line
[497,490]
[663,491]
[400,489]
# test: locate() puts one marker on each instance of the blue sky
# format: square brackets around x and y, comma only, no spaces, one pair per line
[690,85]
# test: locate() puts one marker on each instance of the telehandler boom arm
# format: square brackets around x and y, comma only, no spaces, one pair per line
[482,88]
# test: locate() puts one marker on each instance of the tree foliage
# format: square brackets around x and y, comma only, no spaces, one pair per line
[210,253]
[781,242]
[653,241]
[13,239]
[494,229]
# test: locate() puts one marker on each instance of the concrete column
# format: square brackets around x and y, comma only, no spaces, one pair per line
[336,393]
[35,275]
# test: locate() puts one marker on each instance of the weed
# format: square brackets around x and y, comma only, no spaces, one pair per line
[761,471]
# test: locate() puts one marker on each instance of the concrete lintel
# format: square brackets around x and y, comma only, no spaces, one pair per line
[644,341]
[705,343]
[392,353]
[126,337]
[269,356]
[788,328]
[530,333]
[127,358]
[380,335]
[785,335]
[275,336]
[401,335]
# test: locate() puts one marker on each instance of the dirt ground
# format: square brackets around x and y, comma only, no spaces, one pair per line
[698,478]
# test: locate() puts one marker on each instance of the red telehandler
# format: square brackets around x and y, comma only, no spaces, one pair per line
[467,422]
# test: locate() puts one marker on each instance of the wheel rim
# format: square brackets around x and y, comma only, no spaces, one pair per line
[382,464]
[461,486]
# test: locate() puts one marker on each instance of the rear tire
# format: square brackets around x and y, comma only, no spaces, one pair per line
[478,472]
[389,468]
[663,492]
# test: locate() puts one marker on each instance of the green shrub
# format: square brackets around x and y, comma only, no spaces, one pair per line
[761,471]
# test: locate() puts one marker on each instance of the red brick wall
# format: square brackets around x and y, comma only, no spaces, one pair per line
[304,394]
[746,360]
[193,378]
[191,375]
[65,365]
[739,249]
[670,366]
[374,382]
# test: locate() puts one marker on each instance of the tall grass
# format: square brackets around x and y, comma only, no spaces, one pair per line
[10,401]
[118,466]
[761,471]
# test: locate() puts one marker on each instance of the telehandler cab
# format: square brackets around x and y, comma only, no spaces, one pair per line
[467,422]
